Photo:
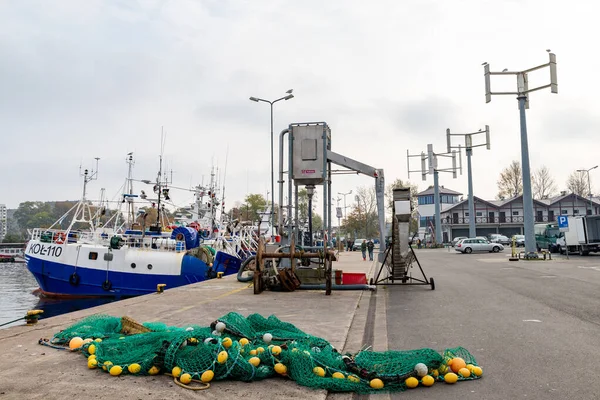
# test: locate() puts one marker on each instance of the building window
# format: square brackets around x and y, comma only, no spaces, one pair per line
[479,214]
[576,211]
[425,200]
[564,212]
[466,214]
[515,213]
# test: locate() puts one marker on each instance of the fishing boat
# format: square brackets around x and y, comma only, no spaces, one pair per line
[12,252]
[118,257]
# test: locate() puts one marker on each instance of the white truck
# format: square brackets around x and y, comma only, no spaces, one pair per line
[582,237]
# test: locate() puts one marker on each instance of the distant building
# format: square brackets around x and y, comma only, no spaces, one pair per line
[426,207]
[502,216]
[3,222]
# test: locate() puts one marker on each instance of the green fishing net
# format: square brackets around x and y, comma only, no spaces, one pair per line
[254,348]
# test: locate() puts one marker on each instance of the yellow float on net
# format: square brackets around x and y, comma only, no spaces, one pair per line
[134,368]
[412,382]
[75,343]
[185,378]
[254,361]
[276,350]
[222,357]
[176,371]
[154,370]
[376,383]
[244,341]
[207,376]
[319,371]
[338,375]
[280,368]
[116,370]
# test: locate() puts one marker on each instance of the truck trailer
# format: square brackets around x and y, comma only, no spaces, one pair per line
[583,236]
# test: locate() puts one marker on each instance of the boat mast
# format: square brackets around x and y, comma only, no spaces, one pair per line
[129,189]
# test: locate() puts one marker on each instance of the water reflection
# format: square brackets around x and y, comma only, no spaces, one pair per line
[16,297]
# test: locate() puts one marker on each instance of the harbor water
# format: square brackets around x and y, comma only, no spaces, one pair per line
[16,297]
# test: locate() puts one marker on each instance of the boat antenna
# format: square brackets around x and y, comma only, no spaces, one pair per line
[159,178]
[223,194]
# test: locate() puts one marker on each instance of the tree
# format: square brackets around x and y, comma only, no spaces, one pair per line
[253,204]
[542,183]
[510,183]
[12,238]
[363,217]
[577,183]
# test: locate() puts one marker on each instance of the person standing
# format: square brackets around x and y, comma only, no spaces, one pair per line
[363,249]
[370,247]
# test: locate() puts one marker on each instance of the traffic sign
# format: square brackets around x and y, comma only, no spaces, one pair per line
[563,223]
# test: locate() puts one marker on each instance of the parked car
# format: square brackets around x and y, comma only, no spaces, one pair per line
[457,239]
[475,244]
[519,240]
[357,243]
[497,238]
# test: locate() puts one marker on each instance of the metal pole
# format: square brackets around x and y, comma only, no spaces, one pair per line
[272,179]
[438,218]
[590,192]
[530,246]
[472,228]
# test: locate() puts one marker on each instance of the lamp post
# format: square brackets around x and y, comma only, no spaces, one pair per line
[522,93]
[345,194]
[256,99]
[587,171]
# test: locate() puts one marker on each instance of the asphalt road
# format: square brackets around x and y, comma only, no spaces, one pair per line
[533,326]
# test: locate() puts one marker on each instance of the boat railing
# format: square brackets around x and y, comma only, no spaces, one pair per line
[154,243]
[61,236]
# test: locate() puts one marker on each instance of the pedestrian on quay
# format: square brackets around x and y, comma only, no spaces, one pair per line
[370,247]
[363,249]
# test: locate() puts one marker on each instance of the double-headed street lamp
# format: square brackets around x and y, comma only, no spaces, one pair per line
[256,99]
[345,206]
[587,171]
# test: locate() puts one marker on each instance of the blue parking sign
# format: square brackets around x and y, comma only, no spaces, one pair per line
[563,222]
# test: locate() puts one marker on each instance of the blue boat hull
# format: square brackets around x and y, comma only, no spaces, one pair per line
[55,279]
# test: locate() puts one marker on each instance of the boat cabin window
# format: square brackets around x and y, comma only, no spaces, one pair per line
[93,255]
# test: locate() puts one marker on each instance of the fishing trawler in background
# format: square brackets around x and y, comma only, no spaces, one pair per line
[117,256]
[12,252]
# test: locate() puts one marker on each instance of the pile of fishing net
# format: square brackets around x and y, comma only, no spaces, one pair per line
[254,348]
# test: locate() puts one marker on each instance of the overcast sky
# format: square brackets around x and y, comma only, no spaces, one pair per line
[85,79]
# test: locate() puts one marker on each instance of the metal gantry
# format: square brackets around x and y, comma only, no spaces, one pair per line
[469,150]
[523,98]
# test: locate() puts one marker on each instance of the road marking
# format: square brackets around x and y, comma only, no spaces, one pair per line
[583,267]
[531,320]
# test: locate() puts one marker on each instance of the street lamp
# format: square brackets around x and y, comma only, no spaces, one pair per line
[345,194]
[256,99]
[522,93]
[587,171]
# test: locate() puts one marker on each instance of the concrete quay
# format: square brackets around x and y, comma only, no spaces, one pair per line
[37,372]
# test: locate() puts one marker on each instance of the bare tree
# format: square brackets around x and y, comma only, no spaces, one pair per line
[510,183]
[577,183]
[543,184]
